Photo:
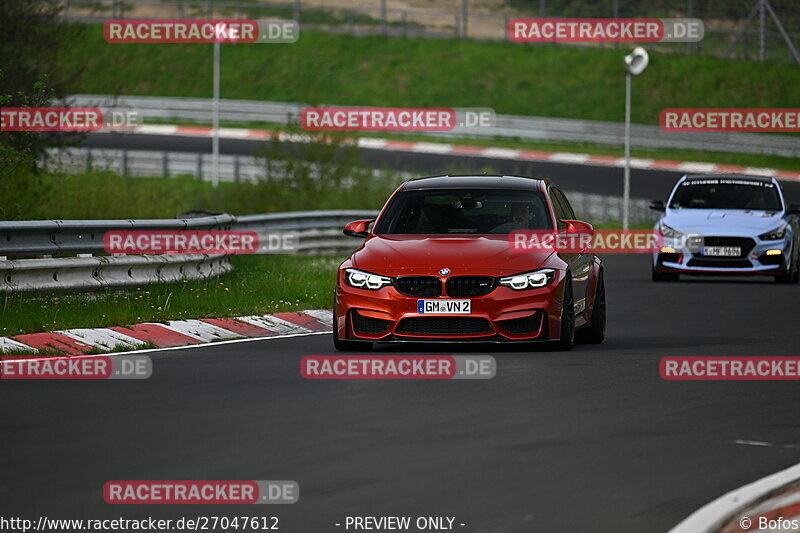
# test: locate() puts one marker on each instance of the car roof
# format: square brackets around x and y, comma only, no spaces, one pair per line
[763,179]
[474,181]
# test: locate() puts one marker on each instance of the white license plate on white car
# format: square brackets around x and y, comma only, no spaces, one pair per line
[444,307]
[723,251]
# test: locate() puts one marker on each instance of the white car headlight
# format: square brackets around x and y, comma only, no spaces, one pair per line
[529,280]
[666,231]
[774,235]
[364,280]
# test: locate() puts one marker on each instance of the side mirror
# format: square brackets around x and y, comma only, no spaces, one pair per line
[358,228]
[794,209]
[657,205]
[577,226]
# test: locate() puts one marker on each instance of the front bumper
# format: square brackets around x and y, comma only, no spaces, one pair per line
[676,256]
[504,315]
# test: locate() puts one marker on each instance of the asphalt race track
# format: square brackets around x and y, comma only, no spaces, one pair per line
[587,441]
[648,184]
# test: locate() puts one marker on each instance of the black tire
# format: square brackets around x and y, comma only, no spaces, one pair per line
[664,276]
[350,346]
[567,339]
[344,345]
[595,332]
[788,277]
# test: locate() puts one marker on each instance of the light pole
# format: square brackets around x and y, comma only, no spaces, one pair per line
[215,112]
[635,63]
[215,108]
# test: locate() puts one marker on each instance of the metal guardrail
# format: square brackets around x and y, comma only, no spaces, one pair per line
[152,163]
[507,126]
[56,237]
[92,273]
[318,232]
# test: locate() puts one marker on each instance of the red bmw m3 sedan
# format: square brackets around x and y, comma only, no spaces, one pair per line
[437,265]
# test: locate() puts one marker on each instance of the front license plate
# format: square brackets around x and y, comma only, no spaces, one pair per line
[723,251]
[444,307]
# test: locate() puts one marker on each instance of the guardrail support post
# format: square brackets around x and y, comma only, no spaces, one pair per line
[626,185]
[89,160]
[236,168]
[123,163]
[200,166]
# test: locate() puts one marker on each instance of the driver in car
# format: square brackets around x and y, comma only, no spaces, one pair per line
[521,217]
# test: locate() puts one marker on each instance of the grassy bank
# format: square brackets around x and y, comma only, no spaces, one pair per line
[258,284]
[106,195]
[377,70]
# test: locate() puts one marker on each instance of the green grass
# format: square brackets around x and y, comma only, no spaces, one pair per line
[259,284]
[377,70]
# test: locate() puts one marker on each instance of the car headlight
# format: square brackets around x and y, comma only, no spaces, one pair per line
[774,235]
[666,231]
[365,280]
[530,280]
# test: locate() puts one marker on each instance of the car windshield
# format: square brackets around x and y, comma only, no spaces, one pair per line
[719,193]
[464,211]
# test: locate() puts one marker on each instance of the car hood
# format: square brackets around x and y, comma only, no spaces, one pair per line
[722,221]
[491,255]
